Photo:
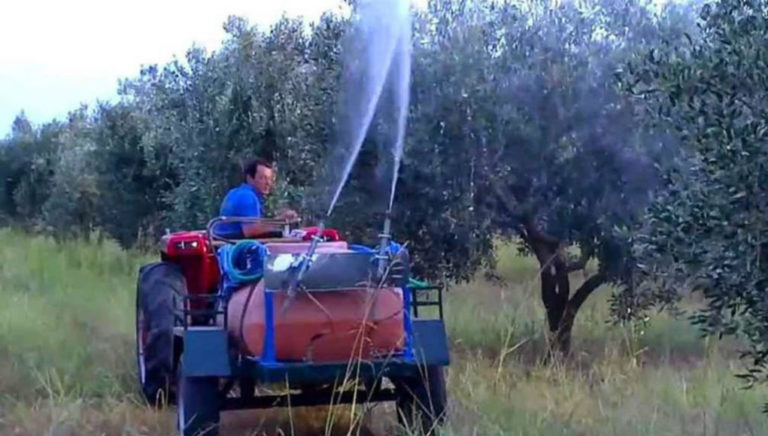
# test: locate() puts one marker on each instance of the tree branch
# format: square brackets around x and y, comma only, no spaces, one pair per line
[528,230]
[563,334]
[537,235]
[506,202]
[584,291]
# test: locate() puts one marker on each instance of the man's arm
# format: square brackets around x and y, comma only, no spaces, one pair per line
[255,230]
[252,208]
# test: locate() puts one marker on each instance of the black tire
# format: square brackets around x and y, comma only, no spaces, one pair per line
[159,285]
[199,405]
[421,401]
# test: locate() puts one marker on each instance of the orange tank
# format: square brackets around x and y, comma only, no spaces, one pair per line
[329,326]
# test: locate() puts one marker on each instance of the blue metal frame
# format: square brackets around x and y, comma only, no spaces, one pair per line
[206,351]
[268,357]
[205,354]
[408,324]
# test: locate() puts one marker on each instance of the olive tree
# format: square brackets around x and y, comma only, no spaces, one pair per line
[518,127]
[707,233]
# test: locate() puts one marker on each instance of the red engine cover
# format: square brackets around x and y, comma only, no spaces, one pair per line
[198,261]
[328,234]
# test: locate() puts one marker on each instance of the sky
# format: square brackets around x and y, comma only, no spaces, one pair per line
[55,55]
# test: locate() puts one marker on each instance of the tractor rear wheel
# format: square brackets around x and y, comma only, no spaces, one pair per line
[421,401]
[157,295]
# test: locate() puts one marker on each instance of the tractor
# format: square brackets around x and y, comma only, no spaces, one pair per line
[296,318]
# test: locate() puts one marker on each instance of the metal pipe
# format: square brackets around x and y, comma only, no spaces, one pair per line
[384,238]
[230,219]
[307,258]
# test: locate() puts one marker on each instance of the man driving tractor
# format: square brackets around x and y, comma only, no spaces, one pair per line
[247,201]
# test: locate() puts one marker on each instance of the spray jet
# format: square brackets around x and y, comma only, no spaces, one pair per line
[380,64]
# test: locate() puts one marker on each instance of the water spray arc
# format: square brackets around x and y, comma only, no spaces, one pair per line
[403,65]
[401,70]
[377,58]
[383,59]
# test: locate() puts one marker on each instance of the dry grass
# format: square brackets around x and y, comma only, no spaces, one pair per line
[67,365]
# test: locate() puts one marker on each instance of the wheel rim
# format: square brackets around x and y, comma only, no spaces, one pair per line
[141,341]
[181,419]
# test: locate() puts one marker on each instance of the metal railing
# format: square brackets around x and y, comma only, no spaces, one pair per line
[421,298]
[209,228]
[215,306]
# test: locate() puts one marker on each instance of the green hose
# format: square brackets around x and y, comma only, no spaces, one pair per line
[418,284]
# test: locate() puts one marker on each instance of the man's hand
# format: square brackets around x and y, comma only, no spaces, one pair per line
[288,215]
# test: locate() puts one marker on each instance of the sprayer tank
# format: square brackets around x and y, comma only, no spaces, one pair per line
[328,326]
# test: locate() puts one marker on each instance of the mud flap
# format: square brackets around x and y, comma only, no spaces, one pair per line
[205,352]
[430,342]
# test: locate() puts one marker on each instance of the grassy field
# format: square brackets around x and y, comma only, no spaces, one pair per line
[67,362]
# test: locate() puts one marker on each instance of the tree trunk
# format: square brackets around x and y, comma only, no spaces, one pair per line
[555,290]
[554,268]
[561,308]
[562,339]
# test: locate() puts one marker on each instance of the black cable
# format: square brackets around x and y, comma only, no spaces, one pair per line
[245,309]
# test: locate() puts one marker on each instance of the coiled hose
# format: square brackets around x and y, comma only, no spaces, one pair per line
[236,261]
[243,263]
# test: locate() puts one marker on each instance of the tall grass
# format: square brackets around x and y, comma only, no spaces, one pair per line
[67,361]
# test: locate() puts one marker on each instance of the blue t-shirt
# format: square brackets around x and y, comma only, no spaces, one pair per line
[243,201]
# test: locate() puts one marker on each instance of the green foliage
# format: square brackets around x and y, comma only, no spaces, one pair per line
[707,232]
[262,94]
[71,205]
[27,160]
[129,192]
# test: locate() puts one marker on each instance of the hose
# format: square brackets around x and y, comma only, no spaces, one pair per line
[394,247]
[238,254]
[417,284]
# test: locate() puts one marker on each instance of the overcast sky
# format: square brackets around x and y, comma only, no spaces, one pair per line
[56,54]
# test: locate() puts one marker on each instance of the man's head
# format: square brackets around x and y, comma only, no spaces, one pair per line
[261,175]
